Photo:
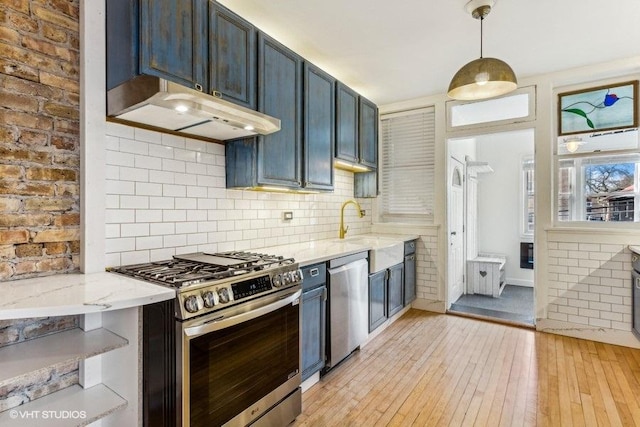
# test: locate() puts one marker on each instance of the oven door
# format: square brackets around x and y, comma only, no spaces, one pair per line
[239,363]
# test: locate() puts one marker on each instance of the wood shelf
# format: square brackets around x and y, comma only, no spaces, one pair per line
[41,354]
[71,407]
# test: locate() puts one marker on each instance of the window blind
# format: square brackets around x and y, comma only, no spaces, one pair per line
[408,160]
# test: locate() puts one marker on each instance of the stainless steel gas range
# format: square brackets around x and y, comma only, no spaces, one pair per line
[237,336]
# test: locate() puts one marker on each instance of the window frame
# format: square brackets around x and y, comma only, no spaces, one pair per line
[527,164]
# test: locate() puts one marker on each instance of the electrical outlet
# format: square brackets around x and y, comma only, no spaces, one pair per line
[288,216]
[362,212]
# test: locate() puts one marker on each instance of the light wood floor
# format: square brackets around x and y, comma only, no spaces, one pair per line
[441,370]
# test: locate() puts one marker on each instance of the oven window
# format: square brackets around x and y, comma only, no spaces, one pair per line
[233,368]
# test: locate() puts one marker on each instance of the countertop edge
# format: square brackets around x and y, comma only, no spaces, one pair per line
[76,293]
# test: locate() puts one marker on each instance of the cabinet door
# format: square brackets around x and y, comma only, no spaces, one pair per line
[319,128]
[409,279]
[232,52]
[368,133]
[313,330]
[395,289]
[346,123]
[121,41]
[280,96]
[377,299]
[173,41]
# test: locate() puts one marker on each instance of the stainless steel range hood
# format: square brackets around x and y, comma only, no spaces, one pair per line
[160,103]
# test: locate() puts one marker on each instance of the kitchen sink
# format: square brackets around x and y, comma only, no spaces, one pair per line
[384,252]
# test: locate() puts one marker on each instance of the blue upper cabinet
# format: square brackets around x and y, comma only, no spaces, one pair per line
[368,133]
[173,41]
[319,128]
[279,156]
[346,123]
[232,53]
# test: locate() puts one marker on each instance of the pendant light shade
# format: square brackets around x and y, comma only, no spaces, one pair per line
[483,77]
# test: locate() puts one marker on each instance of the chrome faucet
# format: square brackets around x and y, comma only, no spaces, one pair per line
[343,229]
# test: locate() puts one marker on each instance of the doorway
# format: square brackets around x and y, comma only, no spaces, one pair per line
[493,230]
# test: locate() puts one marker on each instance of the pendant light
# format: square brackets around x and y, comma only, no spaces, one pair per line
[483,77]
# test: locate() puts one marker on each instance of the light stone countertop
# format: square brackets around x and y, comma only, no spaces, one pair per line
[70,294]
[317,251]
[635,249]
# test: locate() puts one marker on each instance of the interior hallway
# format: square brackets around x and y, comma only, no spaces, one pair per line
[431,369]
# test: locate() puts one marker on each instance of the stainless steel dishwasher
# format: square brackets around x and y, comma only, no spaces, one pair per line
[348,306]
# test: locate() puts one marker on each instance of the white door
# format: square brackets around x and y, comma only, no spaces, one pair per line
[456,230]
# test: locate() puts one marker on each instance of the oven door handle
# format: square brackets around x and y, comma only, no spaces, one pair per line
[222,322]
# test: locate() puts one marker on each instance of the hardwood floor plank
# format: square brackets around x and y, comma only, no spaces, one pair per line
[429,369]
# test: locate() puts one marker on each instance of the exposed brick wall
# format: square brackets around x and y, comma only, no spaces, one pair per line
[39,137]
[39,167]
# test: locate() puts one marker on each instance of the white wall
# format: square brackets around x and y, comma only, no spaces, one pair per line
[500,199]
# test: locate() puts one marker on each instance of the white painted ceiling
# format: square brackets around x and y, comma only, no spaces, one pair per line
[397,50]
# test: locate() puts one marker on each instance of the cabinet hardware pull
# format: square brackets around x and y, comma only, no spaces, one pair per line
[314,272]
[638,283]
[412,257]
[199,87]
[634,258]
[216,93]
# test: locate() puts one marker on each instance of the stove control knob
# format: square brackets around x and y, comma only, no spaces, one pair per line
[223,295]
[277,280]
[286,278]
[297,276]
[209,299]
[193,303]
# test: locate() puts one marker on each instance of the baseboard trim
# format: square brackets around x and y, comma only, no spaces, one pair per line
[430,305]
[586,332]
[520,282]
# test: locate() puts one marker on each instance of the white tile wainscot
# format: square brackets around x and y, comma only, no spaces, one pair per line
[106,346]
[589,284]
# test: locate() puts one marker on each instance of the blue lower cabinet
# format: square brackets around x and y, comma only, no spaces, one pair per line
[314,318]
[377,299]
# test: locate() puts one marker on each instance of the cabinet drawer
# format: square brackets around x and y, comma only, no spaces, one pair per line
[410,247]
[314,276]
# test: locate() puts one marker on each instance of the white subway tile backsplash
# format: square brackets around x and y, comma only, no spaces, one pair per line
[186,178]
[117,158]
[117,187]
[119,216]
[186,227]
[196,215]
[162,177]
[186,203]
[161,151]
[602,283]
[147,135]
[196,145]
[148,242]
[134,230]
[172,190]
[174,215]
[173,165]
[148,189]
[148,162]
[161,202]
[148,215]
[134,147]
[162,228]
[173,140]
[174,240]
[134,202]
[120,245]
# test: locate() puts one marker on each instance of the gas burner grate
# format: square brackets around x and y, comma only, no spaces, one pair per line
[179,272]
